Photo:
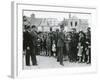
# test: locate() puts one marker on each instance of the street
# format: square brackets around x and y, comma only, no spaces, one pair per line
[51,62]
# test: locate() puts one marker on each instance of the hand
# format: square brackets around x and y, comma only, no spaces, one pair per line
[28,48]
[82,47]
[24,52]
[85,48]
[87,43]
[89,46]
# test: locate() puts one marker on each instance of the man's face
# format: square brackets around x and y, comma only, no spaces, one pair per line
[74,31]
[88,30]
[29,29]
[62,29]
[32,29]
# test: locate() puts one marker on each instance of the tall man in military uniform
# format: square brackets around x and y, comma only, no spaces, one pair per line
[28,45]
[34,38]
[60,45]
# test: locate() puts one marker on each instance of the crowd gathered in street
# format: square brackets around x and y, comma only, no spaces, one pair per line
[69,46]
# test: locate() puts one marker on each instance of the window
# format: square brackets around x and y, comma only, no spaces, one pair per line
[75,24]
[71,23]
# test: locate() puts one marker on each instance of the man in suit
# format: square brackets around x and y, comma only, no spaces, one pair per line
[60,45]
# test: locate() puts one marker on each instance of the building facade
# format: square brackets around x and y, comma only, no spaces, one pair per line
[44,24]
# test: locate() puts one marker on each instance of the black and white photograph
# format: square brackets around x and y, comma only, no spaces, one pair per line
[52,39]
[56,39]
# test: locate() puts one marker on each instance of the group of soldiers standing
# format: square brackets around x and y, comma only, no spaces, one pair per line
[76,46]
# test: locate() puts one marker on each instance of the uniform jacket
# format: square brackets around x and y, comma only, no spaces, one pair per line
[34,37]
[61,38]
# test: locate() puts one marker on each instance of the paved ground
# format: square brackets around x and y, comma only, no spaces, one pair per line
[50,62]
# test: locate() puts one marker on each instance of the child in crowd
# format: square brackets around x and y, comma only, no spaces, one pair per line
[54,48]
[80,50]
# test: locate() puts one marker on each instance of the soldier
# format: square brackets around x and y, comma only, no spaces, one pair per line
[27,45]
[60,45]
[34,38]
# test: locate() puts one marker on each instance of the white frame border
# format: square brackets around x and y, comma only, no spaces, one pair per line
[16,66]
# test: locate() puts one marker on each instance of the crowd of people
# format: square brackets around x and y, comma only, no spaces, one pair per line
[72,46]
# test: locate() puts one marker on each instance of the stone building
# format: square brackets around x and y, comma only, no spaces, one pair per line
[44,24]
[74,22]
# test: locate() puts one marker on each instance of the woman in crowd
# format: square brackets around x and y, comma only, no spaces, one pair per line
[82,39]
[48,46]
[80,50]
[74,43]
[67,44]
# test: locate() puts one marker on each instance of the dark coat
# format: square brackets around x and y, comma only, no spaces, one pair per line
[56,37]
[75,40]
[27,40]
[61,38]
[48,43]
[34,37]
